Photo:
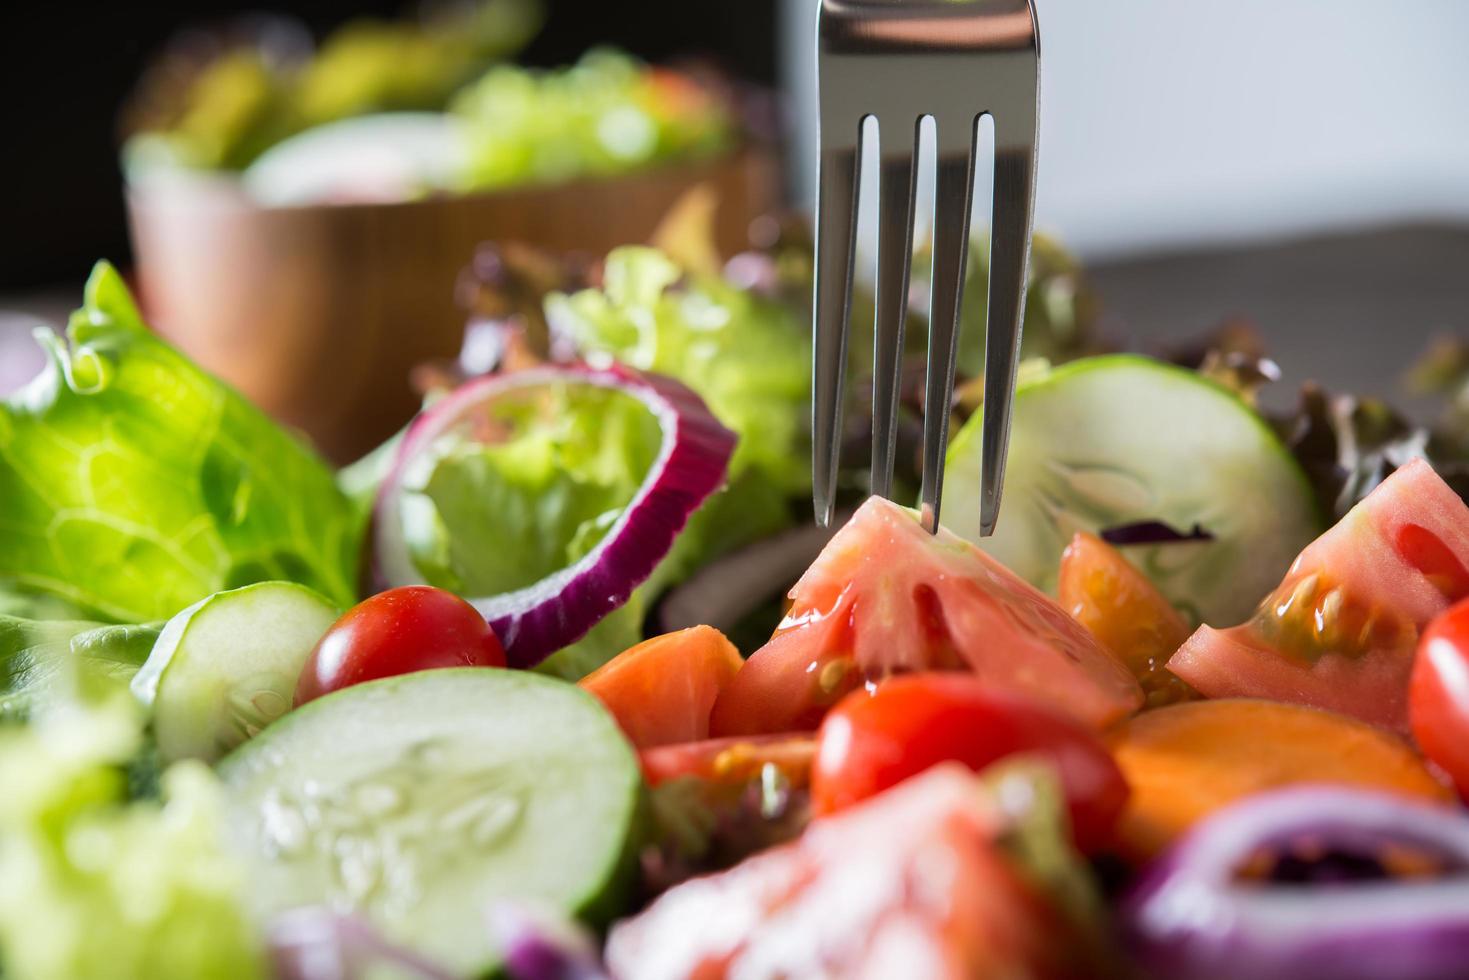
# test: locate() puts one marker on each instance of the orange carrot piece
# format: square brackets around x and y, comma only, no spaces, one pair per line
[1126,614]
[1185,761]
[662,690]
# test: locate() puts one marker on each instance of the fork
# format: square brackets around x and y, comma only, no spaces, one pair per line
[899,61]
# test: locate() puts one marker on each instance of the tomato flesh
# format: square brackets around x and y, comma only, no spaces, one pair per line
[662,690]
[1341,630]
[1439,695]
[885,597]
[1127,614]
[908,884]
[415,627]
[910,724]
[732,760]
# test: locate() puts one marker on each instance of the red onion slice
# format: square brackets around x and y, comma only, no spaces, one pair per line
[1193,918]
[315,943]
[536,621]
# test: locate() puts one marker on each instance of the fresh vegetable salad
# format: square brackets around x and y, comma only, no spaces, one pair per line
[561,682]
[430,103]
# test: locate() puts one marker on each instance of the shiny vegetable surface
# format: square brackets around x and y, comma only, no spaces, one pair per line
[885,597]
[869,743]
[1439,695]
[414,627]
[1125,612]
[662,690]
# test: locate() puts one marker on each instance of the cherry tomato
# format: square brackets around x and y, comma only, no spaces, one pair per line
[871,742]
[416,627]
[1438,694]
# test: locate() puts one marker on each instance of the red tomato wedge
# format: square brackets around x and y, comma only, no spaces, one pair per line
[662,690]
[907,884]
[885,597]
[911,724]
[1340,631]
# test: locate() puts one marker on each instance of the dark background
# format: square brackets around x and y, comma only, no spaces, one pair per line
[65,71]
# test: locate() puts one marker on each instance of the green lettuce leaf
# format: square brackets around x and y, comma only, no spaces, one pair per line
[536,485]
[553,470]
[135,484]
[747,357]
[92,885]
[35,656]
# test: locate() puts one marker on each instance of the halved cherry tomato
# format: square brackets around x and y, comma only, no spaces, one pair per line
[1185,761]
[415,627]
[1126,613]
[1439,694]
[732,760]
[662,690]
[909,724]
[886,597]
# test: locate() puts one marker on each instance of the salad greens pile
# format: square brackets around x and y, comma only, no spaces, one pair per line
[605,115]
[219,105]
[96,883]
[220,110]
[140,490]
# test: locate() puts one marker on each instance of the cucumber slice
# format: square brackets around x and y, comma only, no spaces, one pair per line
[421,800]
[1115,440]
[227,666]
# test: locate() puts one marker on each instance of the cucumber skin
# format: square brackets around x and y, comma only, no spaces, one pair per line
[152,676]
[597,909]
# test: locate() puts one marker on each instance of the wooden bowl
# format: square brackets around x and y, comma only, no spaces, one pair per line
[317,313]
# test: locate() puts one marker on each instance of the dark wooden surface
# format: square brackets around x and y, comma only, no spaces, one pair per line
[1351,311]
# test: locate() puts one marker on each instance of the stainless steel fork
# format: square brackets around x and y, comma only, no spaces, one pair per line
[898,61]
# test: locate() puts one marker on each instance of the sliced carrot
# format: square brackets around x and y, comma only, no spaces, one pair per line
[662,690]
[1126,614]
[1185,761]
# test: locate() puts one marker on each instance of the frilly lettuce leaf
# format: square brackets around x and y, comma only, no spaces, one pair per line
[534,488]
[556,466]
[747,357]
[92,885]
[489,516]
[35,656]
[135,484]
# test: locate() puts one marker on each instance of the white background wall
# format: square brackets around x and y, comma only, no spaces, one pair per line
[1170,123]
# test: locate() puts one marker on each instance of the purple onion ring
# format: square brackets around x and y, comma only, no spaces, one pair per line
[536,621]
[1193,918]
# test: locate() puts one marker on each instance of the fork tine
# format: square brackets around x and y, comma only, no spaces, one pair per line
[1009,257]
[836,224]
[896,188]
[953,187]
